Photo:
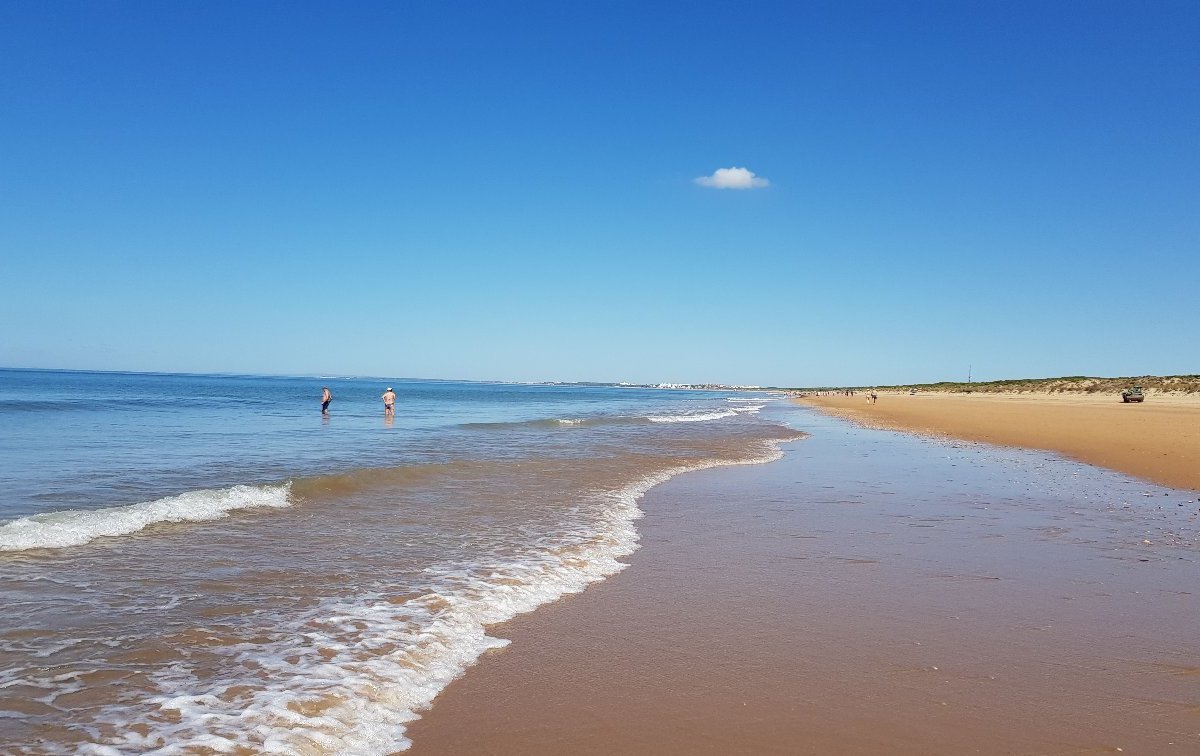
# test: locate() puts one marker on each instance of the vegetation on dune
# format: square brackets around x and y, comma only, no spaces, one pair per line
[1071,384]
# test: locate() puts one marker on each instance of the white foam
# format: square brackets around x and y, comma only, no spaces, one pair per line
[347,675]
[57,530]
[693,417]
[696,417]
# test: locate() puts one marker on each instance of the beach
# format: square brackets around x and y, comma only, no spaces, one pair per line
[438,379]
[244,573]
[1158,439]
[871,592]
[570,569]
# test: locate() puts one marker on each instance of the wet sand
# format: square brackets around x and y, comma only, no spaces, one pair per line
[872,592]
[1158,439]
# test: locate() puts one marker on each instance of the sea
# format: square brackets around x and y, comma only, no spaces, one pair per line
[200,563]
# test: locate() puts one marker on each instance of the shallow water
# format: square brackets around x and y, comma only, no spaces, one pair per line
[872,592]
[194,562]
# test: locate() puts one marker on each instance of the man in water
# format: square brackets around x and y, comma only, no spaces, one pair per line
[389,403]
[326,398]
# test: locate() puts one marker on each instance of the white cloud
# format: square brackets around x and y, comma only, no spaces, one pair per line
[732,178]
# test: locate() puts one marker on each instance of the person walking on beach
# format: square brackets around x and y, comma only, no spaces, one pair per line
[326,398]
[873,397]
[389,403]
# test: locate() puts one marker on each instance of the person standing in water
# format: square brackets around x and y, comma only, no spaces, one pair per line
[389,403]
[326,398]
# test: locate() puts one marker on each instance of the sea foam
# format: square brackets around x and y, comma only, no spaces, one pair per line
[697,417]
[349,674]
[75,527]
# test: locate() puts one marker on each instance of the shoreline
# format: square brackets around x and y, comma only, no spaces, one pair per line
[1158,440]
[869,593]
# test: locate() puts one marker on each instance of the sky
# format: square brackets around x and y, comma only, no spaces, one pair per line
[784,194]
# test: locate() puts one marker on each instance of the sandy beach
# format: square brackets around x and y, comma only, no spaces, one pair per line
[872,592]
[1158,440]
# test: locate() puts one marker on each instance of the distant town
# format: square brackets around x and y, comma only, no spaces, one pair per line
[692,386]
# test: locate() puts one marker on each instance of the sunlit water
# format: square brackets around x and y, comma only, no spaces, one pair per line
[200,562]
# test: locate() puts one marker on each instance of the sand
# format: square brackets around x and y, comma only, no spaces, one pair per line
[872,592]
[1158,440]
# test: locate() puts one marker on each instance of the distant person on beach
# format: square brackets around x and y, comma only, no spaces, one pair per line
[389,403]
[873,398]
[326,398]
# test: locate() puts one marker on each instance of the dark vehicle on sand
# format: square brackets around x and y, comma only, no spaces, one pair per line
[1133,395]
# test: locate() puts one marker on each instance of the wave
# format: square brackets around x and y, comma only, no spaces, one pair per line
[576,422]
[349,673]
[695,417]
[75,527]
[556,423]
[56,530]
[44,405]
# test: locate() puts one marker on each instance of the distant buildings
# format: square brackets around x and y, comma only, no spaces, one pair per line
[706,386]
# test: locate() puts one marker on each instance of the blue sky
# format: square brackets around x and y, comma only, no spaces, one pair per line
[508,190]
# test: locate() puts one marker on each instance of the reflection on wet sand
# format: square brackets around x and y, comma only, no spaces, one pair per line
[870,593]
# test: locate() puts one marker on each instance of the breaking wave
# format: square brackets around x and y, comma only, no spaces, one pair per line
[57,530]
[349,674]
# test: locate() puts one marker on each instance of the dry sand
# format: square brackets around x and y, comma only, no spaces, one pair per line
[870,593]
[1158,440]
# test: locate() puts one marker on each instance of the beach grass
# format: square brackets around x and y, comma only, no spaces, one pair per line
[1071,384]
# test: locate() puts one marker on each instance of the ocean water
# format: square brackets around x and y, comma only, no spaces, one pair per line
[205,563]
